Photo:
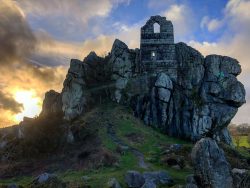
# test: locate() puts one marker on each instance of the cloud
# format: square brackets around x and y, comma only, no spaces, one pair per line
[52,52]
[211,24]
[16,38]
[129,34]
[234,42]
[70,19]
[156,4]
[17,41]
[39,59]
[8,103]
[60,52]
[34,59]
[178,14]
[18,71]
[76,9]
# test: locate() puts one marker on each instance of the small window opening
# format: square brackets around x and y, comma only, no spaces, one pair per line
[153,55]
[157,28]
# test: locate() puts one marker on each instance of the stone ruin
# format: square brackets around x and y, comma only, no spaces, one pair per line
[168,85]
[157,49]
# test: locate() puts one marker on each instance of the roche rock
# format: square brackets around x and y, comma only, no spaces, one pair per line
[211,168]
[169,86]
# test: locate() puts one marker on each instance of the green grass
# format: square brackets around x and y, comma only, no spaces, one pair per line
[126,124]
[243,152]
[24,181]
[99,177]
[151,137]
[243,141]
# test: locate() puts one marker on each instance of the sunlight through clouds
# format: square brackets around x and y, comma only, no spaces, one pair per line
[32,104]
[46,36]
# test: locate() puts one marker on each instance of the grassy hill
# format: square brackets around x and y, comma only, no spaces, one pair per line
[109,140]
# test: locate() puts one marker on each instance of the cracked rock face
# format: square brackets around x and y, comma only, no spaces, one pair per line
[186,96]
[73,98]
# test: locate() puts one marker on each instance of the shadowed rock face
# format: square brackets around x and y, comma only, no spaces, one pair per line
[52,104]
[186,96]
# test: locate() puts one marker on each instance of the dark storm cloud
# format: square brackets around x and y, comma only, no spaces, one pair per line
[8,103]
[16,38]
[18,44]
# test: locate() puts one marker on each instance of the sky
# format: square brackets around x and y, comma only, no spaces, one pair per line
[38,39]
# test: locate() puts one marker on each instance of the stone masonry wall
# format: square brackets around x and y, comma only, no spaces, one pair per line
[160,44]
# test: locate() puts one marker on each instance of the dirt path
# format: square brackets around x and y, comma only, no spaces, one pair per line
[112,134]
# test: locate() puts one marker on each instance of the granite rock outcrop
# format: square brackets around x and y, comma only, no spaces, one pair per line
[170,86]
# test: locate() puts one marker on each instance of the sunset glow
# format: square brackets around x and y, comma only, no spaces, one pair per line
[31,104]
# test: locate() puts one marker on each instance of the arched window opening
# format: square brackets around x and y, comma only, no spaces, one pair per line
[157,28]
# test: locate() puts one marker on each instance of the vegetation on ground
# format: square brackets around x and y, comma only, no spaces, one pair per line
[94,158]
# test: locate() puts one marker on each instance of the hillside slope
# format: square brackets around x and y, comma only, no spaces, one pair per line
[106,143]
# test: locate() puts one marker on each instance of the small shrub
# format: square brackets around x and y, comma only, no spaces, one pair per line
[41,136]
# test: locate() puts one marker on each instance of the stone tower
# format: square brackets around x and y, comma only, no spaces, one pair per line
[157,47]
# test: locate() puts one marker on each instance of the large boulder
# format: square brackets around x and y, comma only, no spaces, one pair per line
[149,184]
[134,179]
[211,168]
[191,182]
[241,178]
[158,177]
[113,183]
[148,179]
[47,180]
